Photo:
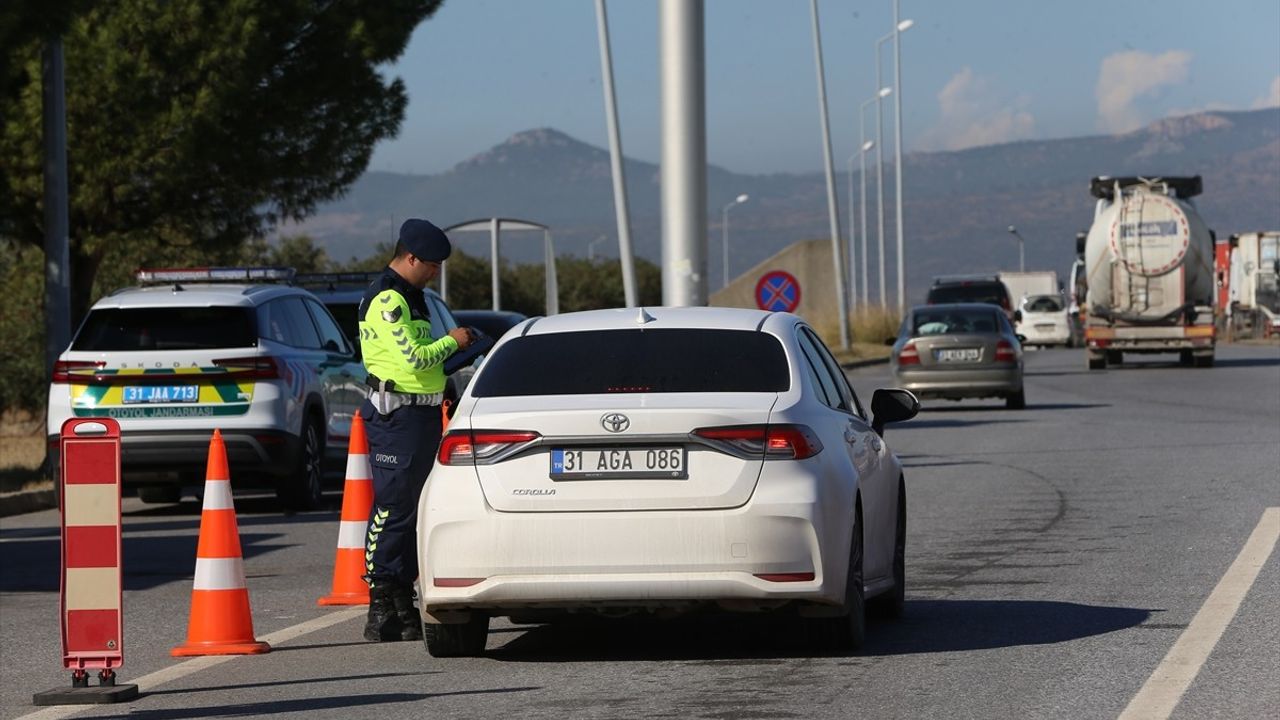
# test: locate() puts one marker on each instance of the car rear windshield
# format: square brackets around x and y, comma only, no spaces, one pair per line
[166,328]
[635,361]
[1043,303]
[955,321]
[978,292]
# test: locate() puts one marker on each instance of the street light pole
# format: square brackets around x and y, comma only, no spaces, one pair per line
[863,146]
[883,93]
[724,235]
[842,309]
[899,26]
[623,213]
[1022,266]
[852,235]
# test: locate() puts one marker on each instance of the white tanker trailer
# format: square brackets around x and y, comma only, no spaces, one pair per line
[1149,272]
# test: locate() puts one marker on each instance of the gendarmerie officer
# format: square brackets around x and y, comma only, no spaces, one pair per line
[403,420]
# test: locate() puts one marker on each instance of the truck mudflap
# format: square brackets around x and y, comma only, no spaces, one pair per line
[1151,338]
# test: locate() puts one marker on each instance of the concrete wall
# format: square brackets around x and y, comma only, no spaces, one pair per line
[810,262]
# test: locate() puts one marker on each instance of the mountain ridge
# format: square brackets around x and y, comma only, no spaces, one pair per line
[958,203]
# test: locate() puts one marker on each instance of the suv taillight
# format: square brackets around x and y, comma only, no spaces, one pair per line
[909,355]
[1005,353]
[258,367]
[478,447]
[62,368]
[772,442]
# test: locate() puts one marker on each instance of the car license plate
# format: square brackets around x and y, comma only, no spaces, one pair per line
[1044,326]
[608,463]
[161,394]
[959,355]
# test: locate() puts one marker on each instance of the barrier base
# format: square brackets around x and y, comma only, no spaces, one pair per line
[97,695]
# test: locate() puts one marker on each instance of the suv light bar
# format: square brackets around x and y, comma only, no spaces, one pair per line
[161,276]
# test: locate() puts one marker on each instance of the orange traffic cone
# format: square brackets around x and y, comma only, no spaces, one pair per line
[221,622]
[444,416]
[349,587]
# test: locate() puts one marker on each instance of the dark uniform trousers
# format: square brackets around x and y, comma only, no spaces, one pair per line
[402,451]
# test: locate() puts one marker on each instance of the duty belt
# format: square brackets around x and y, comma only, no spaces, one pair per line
[387,401]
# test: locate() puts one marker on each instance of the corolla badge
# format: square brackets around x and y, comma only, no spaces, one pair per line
[615,422]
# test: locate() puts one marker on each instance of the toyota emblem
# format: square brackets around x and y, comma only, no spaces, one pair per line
[615,422]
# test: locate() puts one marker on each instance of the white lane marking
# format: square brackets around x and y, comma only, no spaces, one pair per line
[183,669]
[1164,689]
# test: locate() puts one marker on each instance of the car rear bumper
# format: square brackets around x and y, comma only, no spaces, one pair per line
[953,383]
[596,560]
[179,456]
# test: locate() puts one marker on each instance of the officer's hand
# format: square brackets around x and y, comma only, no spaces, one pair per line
[462,336]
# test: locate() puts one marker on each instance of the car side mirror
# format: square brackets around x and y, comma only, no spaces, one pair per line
[332,346]
[1017,316]
[1021,338]
[890,405]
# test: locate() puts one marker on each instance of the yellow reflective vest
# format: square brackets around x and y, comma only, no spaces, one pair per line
[395,338]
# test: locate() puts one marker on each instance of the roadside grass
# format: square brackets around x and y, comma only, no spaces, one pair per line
[869,328]
[22,449]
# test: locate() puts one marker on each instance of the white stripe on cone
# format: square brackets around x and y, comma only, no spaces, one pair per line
[351,534]
[358,467]
[219,574]
[217,495]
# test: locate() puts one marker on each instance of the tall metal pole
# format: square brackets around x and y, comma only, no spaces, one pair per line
[684,153]
[852,236]
[57,272]
[897,152]
[862,161]
[620,207]
[880,172]
[493,270]
[833,212]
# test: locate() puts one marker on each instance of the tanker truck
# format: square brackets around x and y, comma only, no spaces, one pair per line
[1148,271]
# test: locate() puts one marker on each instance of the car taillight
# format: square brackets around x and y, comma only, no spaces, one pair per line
[62,368]
[909,355]
[772,442]
[258,367]
[461,447]
[1004,352]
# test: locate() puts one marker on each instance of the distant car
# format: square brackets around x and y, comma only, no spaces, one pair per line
[959,351]
[494,323]
[341,293]
[970,289]
[660,460]
[1045,320]
[196,350]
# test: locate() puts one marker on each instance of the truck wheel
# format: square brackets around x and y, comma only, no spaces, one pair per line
[1115,357]
[1185,358]
[1203,361]
[1097,361]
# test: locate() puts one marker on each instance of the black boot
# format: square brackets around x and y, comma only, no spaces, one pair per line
[410,620]
[384,622]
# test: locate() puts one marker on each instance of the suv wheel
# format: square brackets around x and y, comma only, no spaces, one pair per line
[154,494]
[302,489]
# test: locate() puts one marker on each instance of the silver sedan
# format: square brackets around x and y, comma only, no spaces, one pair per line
[959,351]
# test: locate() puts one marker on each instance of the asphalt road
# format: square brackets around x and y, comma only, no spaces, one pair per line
[1055,557]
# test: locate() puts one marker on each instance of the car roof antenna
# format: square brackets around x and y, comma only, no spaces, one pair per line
[644,317]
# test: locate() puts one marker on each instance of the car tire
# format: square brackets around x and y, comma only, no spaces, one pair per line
[893,603]
[848,631]
[466,639]
[1016,401]
[303,489]
[160,494]
[1115,357]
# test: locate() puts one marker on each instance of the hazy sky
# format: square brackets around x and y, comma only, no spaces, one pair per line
[975,72]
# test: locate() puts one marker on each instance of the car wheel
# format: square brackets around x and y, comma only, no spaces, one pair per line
[303,488]
[849,630]
[156,494]
[1016,401]
[891,604]
[466,639]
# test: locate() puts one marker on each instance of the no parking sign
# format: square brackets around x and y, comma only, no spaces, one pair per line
[778,291]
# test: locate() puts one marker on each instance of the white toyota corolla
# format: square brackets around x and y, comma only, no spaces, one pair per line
[662,459]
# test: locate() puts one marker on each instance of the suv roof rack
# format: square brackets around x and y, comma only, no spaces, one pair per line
[1103,187]
[166,276]
[946,279]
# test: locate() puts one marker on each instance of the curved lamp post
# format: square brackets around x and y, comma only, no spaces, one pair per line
[495,226]
[724,234]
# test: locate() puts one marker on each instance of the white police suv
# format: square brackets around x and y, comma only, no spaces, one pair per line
[189,351]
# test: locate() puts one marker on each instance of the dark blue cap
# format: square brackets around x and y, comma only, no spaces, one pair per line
[425,241]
